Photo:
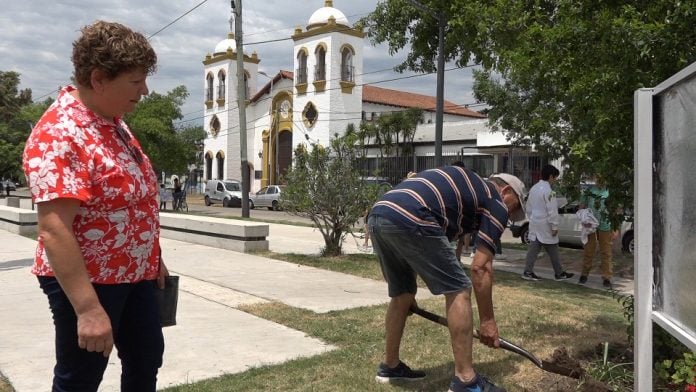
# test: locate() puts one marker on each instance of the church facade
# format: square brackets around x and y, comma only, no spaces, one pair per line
[322,94]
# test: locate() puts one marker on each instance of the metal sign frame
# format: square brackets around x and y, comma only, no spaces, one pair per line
[644,271]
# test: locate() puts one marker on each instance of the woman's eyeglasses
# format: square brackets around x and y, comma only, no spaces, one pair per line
[127,140]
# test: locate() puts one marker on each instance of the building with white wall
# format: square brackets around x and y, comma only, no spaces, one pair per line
[321,95]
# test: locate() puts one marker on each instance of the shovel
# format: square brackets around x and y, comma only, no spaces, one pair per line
[504,344]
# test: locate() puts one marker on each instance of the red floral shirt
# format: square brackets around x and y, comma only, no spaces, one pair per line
[73,153]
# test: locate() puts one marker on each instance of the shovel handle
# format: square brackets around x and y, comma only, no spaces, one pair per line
[504,344]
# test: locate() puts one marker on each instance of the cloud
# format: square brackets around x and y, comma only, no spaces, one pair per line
[38,35]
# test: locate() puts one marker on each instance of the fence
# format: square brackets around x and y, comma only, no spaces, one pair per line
[524,164]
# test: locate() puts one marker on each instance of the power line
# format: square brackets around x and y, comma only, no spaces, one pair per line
[177,19]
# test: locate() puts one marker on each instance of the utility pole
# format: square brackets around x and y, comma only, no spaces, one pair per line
[440,103]
[440,89]
[241,105]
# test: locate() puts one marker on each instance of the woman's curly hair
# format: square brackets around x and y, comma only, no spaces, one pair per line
[112,48]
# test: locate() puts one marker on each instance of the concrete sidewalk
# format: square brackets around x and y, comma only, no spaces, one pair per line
[211,337]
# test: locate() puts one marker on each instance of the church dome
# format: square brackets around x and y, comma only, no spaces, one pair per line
[321,16]
[222,46]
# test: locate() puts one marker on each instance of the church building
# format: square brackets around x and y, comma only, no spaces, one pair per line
[322,94]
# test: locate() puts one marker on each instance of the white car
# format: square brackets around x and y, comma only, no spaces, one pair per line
[268,196]
[569,229]
[227,192]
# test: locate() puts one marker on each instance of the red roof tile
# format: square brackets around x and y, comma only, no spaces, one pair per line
[405,99]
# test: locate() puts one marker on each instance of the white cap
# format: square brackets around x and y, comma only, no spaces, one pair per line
[518,186]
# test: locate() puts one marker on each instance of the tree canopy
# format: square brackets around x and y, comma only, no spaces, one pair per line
[170,149]
[153,122]
[558,75]
[17,115]
[324,186]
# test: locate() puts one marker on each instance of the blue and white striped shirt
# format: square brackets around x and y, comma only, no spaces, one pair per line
[446,201]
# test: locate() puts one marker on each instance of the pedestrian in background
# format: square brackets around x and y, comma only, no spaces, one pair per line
[595,198]
[177,194]
[542,210]
[98,259]
[163,196]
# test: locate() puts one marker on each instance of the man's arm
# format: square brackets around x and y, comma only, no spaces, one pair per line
[55,219]
[552,211]
[482,281]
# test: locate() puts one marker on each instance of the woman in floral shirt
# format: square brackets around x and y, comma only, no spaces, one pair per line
[98,255]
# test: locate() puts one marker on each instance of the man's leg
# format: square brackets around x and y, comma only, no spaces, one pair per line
[588,253]
[460,323]
[394,323]
[605,241]
[552,250]
[532,253]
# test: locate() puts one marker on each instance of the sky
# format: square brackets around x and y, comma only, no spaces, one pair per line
[36,41]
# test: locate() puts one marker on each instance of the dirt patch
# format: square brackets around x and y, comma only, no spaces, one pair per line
[562,361]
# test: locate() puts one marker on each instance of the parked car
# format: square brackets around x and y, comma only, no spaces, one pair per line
[268,196]
[569,229]
[227,192]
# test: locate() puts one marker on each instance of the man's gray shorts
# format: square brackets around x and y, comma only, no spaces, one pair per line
[403,254]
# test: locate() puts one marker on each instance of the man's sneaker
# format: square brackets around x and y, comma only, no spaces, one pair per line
[582,280]
[386,374]
[564,275]
[478,384]
[500,256]
[607,284]
[530,276]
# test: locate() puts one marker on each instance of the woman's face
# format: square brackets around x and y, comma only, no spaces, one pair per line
[122,93]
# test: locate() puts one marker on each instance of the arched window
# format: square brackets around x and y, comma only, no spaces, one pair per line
[209,87]
[320,67]
[347,70]
[220,158]
[301,67]
[221,85]
[208,165]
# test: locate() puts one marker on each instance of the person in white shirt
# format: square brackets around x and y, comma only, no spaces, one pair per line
[542,212]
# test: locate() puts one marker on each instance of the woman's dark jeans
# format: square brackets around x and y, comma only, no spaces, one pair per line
[133,311]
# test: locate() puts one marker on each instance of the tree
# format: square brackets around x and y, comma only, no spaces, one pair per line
[324,186]
[17,115]
[152,122]
[390,133]
[558,75]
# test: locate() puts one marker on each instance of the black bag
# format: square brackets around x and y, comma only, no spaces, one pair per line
[167,299]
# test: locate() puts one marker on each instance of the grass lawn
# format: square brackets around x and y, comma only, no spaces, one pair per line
[540,317]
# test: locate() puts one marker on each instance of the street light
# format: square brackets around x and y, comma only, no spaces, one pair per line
[277,141]
[440,89]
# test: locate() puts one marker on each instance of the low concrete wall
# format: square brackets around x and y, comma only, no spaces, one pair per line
[18,220]
[237,235]
[231,234]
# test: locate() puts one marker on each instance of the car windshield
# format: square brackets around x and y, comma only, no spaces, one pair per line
[232,186]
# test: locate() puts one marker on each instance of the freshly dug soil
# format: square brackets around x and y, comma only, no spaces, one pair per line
[561,358]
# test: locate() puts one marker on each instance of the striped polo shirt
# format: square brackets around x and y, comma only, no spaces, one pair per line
[446,201]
